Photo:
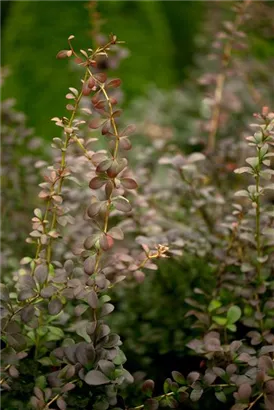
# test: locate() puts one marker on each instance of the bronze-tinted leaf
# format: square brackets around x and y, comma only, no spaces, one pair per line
[106,309]
[117,113]
[95,123]
[89,265]
[68,387]
[244,391]
[115,83]
[106,128]
[130,129]
[94,209]
[41,273]
[81,353]
[104,165]
[129,183]
[106,366]
[148,387]
[116,233]
[48,291]
[17,341]
[109,188]
[96,378]
[97,183]
[63,54]
[125,143]
[86,90]
[13,372]
[70,107]
[61,403]
[91,82]
[38,393]
[106,241]
[101,77]
[27,313]
[26,294]
[90,241]
[192,377]
[92,299]
[55,306]
[122,204]
[101,281]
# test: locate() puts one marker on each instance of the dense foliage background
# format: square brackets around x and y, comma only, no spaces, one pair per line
[193,73]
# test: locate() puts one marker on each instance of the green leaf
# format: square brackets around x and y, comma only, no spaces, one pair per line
[232,328]
[54,333]
[234,313]
[120,358]
[214,304]
[41,382]
[178,377]
[219,320]
[220,396]
[45,361]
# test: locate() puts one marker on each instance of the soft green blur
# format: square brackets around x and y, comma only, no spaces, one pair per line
[158,34]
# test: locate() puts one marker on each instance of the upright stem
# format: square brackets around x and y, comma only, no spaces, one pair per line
[258,217]
[63,166]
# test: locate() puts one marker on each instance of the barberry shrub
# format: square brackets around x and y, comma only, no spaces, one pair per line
[234,321]
[57,342]
[57,349]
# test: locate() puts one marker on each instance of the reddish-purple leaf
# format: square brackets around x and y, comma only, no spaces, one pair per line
[95,123]
[117,113]
[94,209]
[113,100]
[92,299]
[129,183]
[108,189]
[125,144]
[90,241]
[97,183]
[101,77]
[70,107]
[55,306]
[122,204]
[106,242]
[96,378]
[89,265]
[91,82]
[106,128]
[116,233]
[130,129]
[100,104]
[85,89]
[64,54]
[104,165]
[115,83]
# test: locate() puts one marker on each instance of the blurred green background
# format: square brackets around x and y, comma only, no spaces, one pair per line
[159,36]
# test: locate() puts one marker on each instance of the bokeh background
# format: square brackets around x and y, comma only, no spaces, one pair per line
[160,39]
[165,55]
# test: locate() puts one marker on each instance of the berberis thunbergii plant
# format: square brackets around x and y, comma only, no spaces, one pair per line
[57,349]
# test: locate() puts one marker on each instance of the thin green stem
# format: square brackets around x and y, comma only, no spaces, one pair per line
[63,166]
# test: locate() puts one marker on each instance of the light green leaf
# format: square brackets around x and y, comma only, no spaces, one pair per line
[234,313]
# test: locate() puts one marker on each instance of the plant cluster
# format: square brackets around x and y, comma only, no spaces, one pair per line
[49,294]
[61,340]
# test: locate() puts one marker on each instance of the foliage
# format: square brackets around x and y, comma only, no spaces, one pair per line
[210,305]
[86,353]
